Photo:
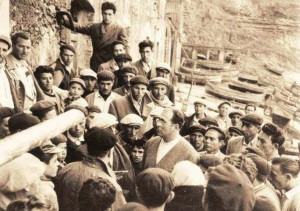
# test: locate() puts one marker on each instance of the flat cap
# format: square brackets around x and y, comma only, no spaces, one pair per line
[88,72]
[231,114]
[50,148]
[93,108]
[123,57]
[132,119]
[197,128]
[106,75]
[129,69]
[6,40]
[163,66]
[103,120]
[235,130]
[257,151]
[217,129]
[68,47]
[42,106]
[199,102]
[139,80]
[98,140]
[223,103]
[60,138]
[78,107]
[78,81]
[6,112]
[253,119]
[208,121]
[159,80]
[22,121]
[262,165]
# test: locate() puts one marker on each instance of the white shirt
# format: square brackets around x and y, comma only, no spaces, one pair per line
[147,66]
[289,196]
[104,104]
[6,99]
[165,147]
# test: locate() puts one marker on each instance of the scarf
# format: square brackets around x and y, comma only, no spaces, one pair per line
[165,103]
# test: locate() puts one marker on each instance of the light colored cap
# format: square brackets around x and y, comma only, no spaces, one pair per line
[88,72]
[132,119]
[6,40]
[103,120]
[49,148]
[164,66]
[159,80]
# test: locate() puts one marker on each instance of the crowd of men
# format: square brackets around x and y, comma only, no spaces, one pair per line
[133,150]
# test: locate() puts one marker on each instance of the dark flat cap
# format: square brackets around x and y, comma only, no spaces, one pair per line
[223,103]
[133,206]
[257,151]
[197,128]
[129,69]
[139,80]
[42,106]
[123,57]
[93,108]
[253,119]
[159,80]
[78,107]
[68,47]
[262,165]
[235,130]
[217,129]
[6,40]
[208,121]
[231,114]
[60,138]
[78,81]
[22,121]
[99,140]
[6,112]
[199,102]
[106,75]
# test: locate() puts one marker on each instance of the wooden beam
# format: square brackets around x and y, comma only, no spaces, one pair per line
[15,145]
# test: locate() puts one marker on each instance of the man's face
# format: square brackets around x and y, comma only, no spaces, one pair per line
[249,130]
[236,119]
[249,110]
[137,154]
[277,178]
[138,91]
[108,16]
[211,141]
[90,82]
[52,167]
[265,144]
[77,130]
[105,87]
[146,54]
[21,49]
[159,91]
[3,51]
[4,126]
[46,82]
[164,124]
[76,90]
[130,131]
[123,63]
[197,139]
[223,110]
[127,77]
[67,57]
[233,134]
[90,118]
[162,73]
[199,108]
[119,49]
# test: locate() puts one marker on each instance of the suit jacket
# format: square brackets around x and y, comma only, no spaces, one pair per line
[110,65]
[102,41]
[235,145]
[139,65]
[183,150]
[121,91]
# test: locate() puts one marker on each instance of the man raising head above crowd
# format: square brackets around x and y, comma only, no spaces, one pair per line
[222,118]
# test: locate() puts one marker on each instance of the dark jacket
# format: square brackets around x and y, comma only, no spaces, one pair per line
[62,83]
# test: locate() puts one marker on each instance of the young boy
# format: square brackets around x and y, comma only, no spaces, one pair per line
[76,90]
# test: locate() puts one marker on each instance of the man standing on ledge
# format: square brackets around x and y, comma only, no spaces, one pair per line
[103,35]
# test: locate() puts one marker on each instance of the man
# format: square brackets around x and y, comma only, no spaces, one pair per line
[5,114]
[269,140]
[122,60]
[71,178]
[235,117]
[222,118]
[200,108]
[146,65]
[44,110]
[285,177]
[213,141]
[128,72]
[44,76]
[251,125]
[137,155]
[118,48]
[208,122]
[163,70]
[250,108]
[27,89]
[168,148]
[196,137]
[134,103]
[90,79]
[103,35]
[104,96]
[63,67]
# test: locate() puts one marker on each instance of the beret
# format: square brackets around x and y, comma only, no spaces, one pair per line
[210,160]
[88,72]
[163,66]
[159,80]
[68,47]
[132,119]
[103,120]
[235,130]
[231,114]
[106,75]
[208,120]
[196,128]
[6,40]
[129,69]
[50,148]
[6,112]
[78,107]
[60,138]
[199,102]
[253,119]
[228,188]
[257,151]
[139,80]
[22,121]
[42,106]
[225,102]
[133,206]
[98,140]
[78,81]
[93,108]
[262,165]
[217,129]
[123,57]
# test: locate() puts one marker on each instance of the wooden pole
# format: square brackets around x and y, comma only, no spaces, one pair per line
[15,145]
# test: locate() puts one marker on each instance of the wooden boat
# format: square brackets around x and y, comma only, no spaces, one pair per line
[287,98]
[223,91]
[248,78]
[213,65]
[268,80]
[245,87]
[274,68]
[200,79]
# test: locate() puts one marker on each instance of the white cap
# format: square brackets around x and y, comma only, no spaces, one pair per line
[88,72]
[103,120]
[132,119]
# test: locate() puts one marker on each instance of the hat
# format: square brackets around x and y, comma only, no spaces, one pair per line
[93,108]
[225,102]
[133,206]
[42,106]
[68,47]
[78,81]
[199,102]
[88,73]
[50,148]
[257,151]
[210,160]
[253,119]
[231,114]
[129,69]
[208,121]
[117,42]
[6,40]
[236,130]
[217,129]
[228,188]
[163,66]
[78,107]
[262,165]
[159,80]
[6,112]
[60,138]
[196,128]
[22,121]
[103,120]
[139,80]
[106,75]
[123,57]
[132,119]
[99,140]
[154,185]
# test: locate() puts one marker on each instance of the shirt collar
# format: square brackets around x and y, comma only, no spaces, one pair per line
[294,191]
[68,68]
[73,139]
